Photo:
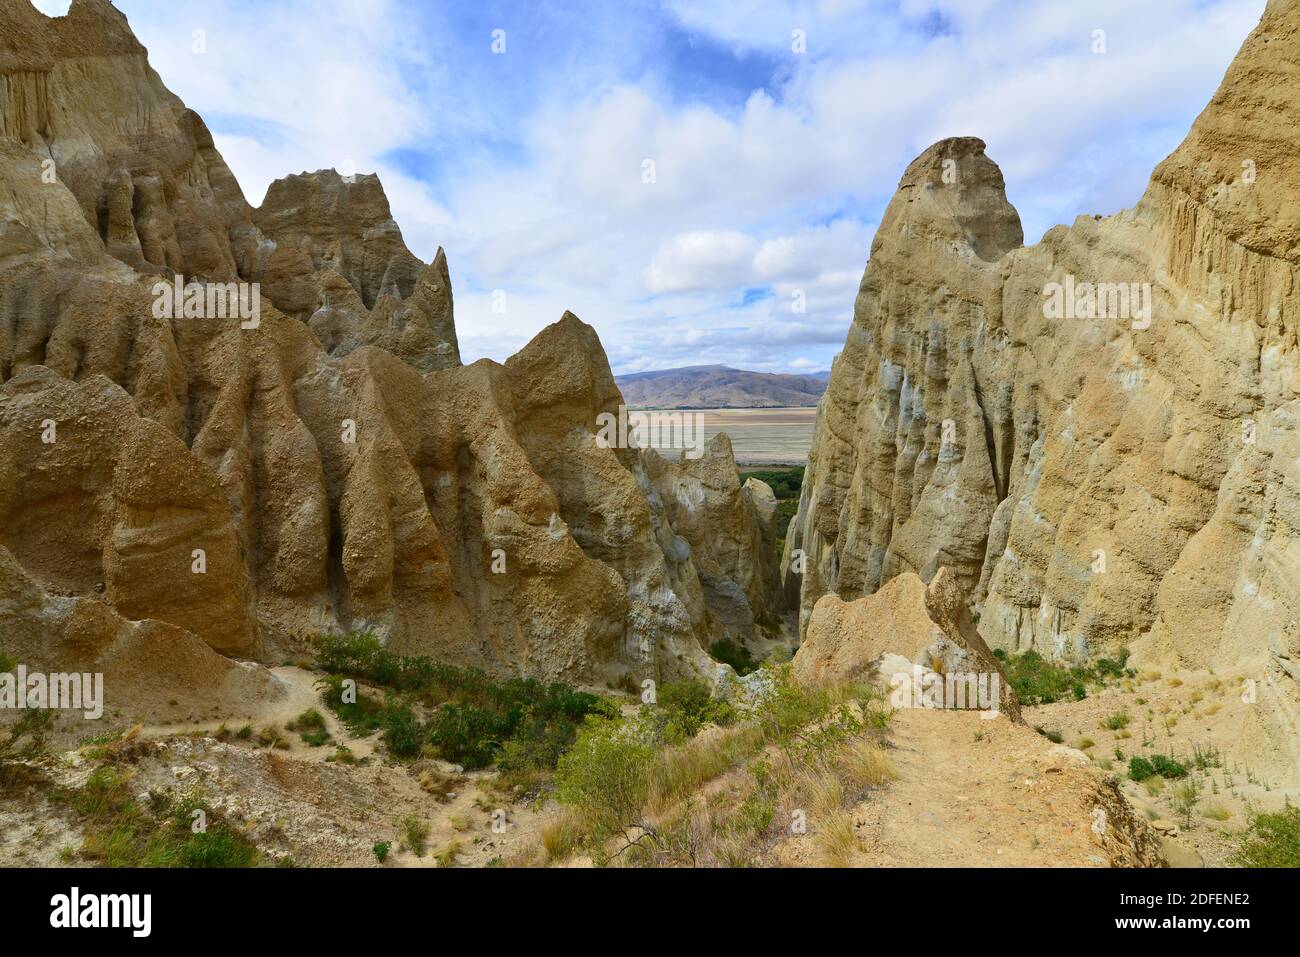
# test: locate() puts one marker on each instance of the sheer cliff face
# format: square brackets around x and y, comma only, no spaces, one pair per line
[1097,470]
[331,465]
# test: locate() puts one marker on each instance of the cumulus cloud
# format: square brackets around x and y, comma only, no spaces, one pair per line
[678,172]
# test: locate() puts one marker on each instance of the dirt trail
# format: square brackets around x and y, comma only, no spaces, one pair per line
[983,793]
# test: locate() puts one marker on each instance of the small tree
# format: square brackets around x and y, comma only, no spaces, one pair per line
[605,777]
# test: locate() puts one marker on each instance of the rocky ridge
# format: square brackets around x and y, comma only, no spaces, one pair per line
[1097,434]
[331,465]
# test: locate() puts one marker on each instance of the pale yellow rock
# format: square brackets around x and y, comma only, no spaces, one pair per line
[1093,479]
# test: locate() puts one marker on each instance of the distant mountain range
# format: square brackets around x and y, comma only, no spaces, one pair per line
[720,387]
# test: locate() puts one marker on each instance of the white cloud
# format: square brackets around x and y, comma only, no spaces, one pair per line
[702,260]
[541,191]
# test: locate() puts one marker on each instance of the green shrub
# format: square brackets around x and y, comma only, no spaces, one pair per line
[362,716]
[467,735]
[1271,840]
[1117,721]
[1167,767]
[474,716]
[403,733]
[381,850]
[309,720]
[1139,769]
[605,777]
[683,707]
[1039,681]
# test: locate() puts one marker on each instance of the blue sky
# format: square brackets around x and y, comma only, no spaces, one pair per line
[772,166]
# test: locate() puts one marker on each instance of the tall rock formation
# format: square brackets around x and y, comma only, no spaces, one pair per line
[327,464]
[1098,434]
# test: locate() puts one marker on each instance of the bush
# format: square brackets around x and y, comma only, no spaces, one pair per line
[1168,767]
[467,735]
[683,707]
[605,777]
[1272,840]
[1116,722]
[403,734]
[1039,681]
[475,717]
[1139,769]
[381,850]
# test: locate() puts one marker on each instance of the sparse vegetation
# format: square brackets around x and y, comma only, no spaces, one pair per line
[1272,840]
[310,726]
[1056,737]
[520,724]
[1117,721]
[121,833]
[636,789]
[1039,681]
[415,835]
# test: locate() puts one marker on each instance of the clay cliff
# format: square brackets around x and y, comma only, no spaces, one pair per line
[244,484]
[1098,434]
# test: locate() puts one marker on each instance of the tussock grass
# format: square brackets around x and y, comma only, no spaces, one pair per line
[684,769]
[560,836]
[835,841]
[415,835]
[864,764]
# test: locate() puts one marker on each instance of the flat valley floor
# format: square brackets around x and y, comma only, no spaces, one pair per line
[760,436]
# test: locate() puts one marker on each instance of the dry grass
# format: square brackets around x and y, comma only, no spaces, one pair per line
[835,840]
[447,856]
[560,836]
[685,768]
[864,764]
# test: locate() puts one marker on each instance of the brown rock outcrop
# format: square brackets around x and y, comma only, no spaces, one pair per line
[331,460]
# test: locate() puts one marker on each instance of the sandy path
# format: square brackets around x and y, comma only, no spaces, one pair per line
[979,793]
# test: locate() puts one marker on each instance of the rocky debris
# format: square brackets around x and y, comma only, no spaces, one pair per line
[1096,434]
